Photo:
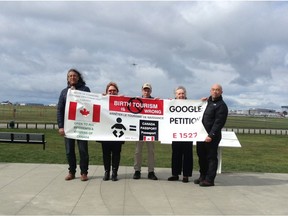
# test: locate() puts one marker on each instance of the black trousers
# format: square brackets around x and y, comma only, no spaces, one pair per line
[182,158]
[111,153]
[208,159]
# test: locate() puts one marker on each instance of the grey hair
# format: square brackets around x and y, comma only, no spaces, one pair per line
[181,87]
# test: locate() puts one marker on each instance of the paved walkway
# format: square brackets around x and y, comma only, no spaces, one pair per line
[40,189]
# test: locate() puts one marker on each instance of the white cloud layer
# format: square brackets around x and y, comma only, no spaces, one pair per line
[241,45]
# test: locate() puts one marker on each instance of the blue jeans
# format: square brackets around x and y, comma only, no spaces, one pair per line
[71,156]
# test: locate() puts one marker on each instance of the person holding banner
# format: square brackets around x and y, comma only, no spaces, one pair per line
[111,149]
[182,151]
[74,81]
[146,93]
[214,119]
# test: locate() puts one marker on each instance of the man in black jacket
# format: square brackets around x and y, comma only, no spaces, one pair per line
[214,119]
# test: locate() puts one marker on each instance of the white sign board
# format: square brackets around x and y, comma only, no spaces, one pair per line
[90,116]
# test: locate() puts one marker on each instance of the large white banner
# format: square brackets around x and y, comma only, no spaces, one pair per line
[91,116]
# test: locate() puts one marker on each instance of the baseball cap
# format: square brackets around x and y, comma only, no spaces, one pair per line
[147,85]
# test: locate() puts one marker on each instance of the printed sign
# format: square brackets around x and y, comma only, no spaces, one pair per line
[90,116]
[136,105]
[183,121]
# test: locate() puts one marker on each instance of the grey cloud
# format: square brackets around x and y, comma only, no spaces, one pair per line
[242,45]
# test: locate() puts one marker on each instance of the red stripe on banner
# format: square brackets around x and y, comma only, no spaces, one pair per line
[72,111]
[148,138]
[96,113]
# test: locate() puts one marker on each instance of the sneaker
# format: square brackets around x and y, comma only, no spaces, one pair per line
[137,175]
[206,183]
[173,178]
[152,176]
[70,176]
[84,177]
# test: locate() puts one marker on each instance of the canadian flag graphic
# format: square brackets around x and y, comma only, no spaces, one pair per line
[88,113]
[148,138]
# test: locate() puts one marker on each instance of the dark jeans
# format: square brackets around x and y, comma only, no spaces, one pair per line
[182,157]
[114,149]
[71,156]
[208,159]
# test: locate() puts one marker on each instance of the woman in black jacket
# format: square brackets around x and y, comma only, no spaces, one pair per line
[111,149]
[182,151]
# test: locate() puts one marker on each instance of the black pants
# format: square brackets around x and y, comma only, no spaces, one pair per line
[71,155]
[111,150]
[208,159]
[182,157]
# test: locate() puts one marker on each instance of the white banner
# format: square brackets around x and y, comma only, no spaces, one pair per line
[90,116]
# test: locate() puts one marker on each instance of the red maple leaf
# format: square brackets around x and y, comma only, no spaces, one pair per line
[84,112]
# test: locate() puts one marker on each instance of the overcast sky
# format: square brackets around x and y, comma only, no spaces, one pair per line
[241,45]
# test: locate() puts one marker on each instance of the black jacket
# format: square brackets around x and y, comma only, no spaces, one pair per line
[215,116]
[62,102]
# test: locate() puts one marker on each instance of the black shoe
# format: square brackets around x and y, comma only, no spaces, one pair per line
[185,179]
[114,176]
[173,178]
[106,176]
[137,175]
[152,176]
[206,183]
[198,181]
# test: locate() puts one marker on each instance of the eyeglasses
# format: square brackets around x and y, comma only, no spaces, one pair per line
[112,90]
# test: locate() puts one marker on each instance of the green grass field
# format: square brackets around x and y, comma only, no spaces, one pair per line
[259,153]
[256,122]
[27,113]
[48,115]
